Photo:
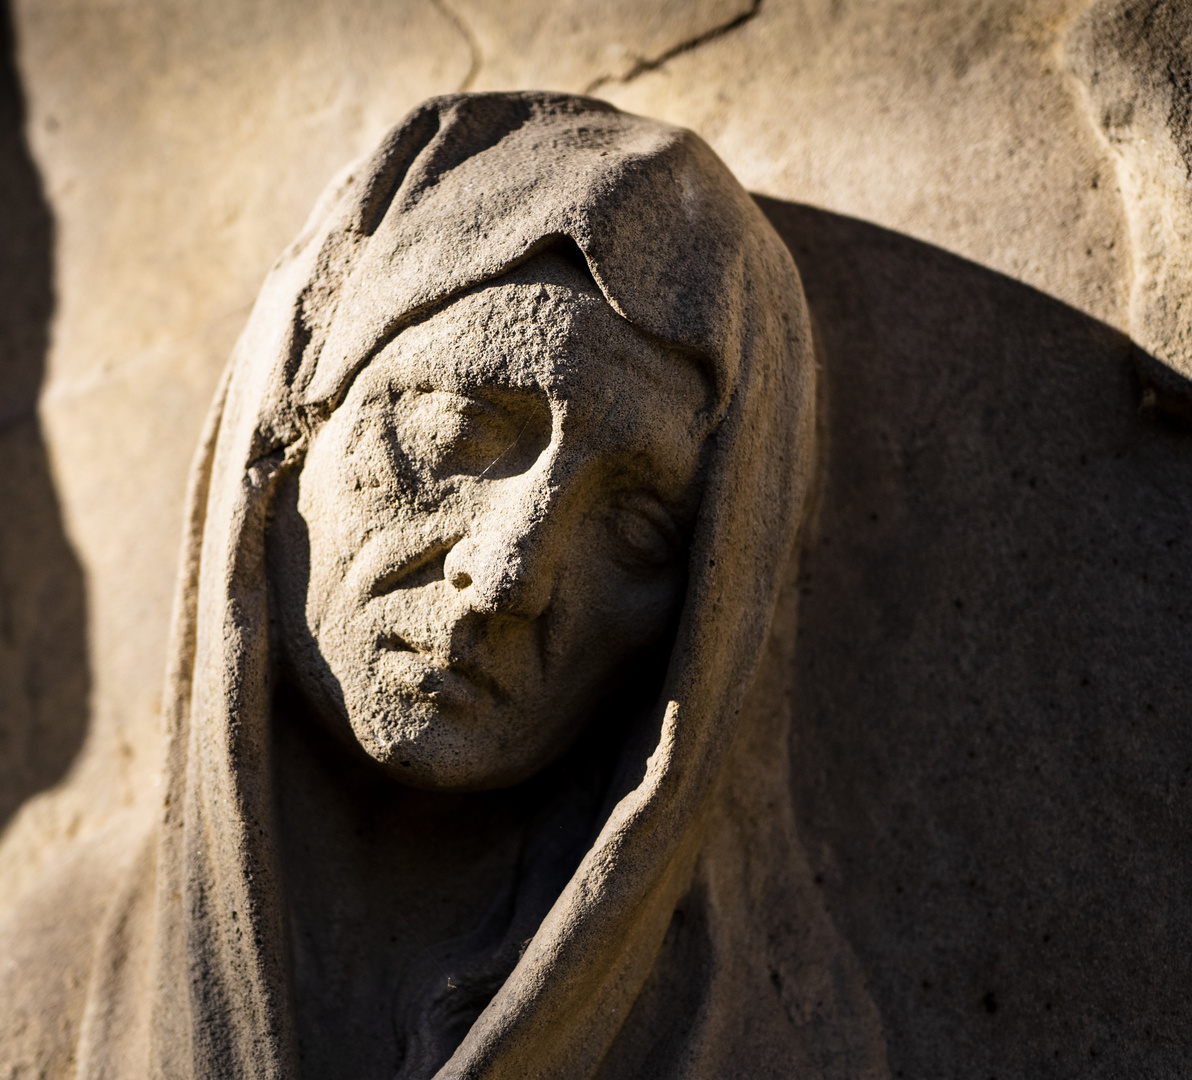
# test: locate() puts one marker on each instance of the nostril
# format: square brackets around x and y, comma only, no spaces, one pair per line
[461,580]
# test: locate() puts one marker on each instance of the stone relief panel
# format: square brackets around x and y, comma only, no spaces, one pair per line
[471,767]
[949,836]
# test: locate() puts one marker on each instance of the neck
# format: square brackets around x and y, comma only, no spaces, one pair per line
[377,876]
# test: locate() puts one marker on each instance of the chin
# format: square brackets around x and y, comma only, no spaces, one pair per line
[436,749]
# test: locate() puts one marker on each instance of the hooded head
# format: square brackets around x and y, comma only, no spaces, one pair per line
[490,528]
[531,396]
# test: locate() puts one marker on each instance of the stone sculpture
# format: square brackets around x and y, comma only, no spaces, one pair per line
[476,757]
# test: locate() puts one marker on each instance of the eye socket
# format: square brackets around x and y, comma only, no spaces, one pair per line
[644,531]
[452,434]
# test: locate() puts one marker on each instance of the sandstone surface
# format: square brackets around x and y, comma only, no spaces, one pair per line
[987,201]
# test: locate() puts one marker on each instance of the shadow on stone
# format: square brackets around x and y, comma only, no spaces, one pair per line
[44,678]
[992,746]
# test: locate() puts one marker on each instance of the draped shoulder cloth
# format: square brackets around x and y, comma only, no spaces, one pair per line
[690,941]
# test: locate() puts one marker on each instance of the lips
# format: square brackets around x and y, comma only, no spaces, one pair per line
[425,677]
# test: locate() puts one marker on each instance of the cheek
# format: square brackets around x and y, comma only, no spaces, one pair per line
[355,486]
[350,480]
[334,500]
[612,615]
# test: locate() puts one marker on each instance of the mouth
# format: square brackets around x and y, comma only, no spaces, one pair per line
[427,677]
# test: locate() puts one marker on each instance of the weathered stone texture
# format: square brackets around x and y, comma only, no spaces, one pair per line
[991,723]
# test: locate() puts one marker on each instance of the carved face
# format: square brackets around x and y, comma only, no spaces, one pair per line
[489,528]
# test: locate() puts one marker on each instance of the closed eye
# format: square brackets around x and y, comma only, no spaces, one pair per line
[452,434]
[644,531]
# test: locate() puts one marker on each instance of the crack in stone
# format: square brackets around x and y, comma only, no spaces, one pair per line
[654,63]
[470,40]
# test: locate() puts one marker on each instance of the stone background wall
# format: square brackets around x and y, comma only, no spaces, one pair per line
[992,741]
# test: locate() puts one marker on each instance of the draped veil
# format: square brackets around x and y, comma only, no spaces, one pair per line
[190,978]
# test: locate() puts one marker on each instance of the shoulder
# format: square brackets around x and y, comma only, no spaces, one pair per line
[47,949]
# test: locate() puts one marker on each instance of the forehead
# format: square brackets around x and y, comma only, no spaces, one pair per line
[546,327]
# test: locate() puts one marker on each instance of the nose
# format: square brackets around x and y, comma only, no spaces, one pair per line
[504,567]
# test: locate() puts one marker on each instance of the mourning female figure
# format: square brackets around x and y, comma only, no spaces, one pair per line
[477,758]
